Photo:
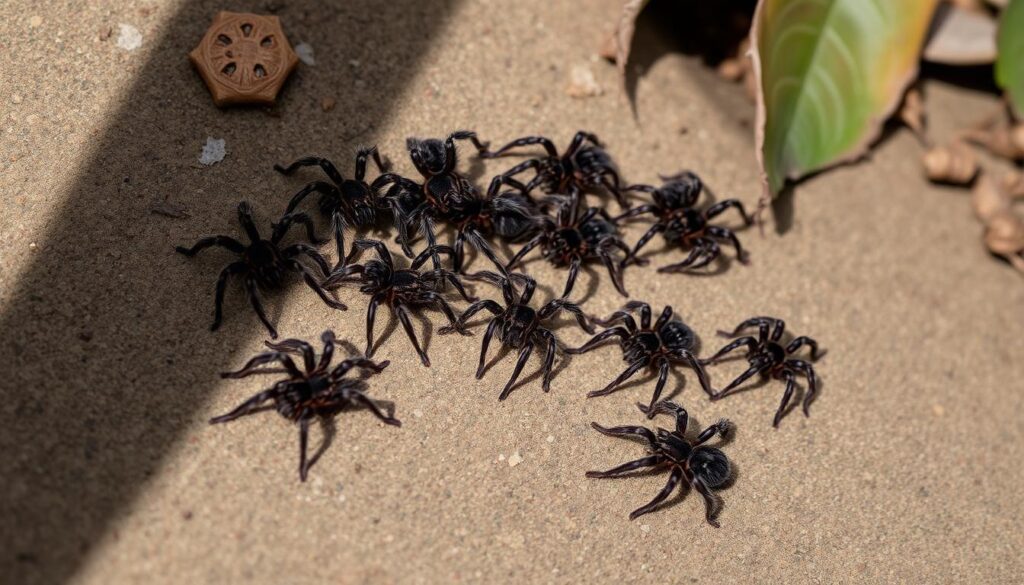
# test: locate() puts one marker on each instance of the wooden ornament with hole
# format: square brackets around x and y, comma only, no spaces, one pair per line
[244,58]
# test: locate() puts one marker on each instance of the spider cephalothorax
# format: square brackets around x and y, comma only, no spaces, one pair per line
[353,201]
[682,223]
[703,468]
[401,290]
[263,263]
[668,341]
[584,166]
[572,238]
[768,357]
[519,326]
[315,391]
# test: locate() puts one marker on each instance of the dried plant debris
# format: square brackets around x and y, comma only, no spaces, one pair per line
[953,163]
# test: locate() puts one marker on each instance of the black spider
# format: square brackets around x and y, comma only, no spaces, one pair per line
[682,223]
[584,166]
[263,263]
[518,325]
[401,290]
[571,238]
[315,391]
[703,468]
[445,195]
[352,201]
[771,359]
[507,214]
[668,341]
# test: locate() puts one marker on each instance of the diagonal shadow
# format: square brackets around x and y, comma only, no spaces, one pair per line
[106,350]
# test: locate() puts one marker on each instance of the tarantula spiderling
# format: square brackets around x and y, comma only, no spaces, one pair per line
[445,195]
[401,290]
[571,238]
[506,214]
[263,263]
[682,223]
[668,341]
[518,325]
[315,391]
[768,357]
[352,201]
[703,468]
[584,166]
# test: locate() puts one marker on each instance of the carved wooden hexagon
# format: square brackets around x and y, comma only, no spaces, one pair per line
[244,58]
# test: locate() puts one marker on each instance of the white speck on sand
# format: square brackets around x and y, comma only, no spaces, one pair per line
[515,459]
[582,83]
[129,38]
[213,151]
[551,438]
[417,413]
[305,53]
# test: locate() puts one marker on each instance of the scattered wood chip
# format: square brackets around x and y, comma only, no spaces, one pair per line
[987,199]
[582,83]
[1013,184]
[1004,235]
[912,111]
[169,209]
[953,163]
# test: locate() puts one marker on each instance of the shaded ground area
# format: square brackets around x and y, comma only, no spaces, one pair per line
[902,473]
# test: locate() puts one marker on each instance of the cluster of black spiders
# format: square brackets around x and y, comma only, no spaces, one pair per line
[552,212]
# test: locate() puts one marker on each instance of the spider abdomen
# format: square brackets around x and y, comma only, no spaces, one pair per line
[676,335]
[710,465]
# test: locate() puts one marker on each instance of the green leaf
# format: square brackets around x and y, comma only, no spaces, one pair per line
[1010,63]
[830,72]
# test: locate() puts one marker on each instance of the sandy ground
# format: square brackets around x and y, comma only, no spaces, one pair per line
[904,472]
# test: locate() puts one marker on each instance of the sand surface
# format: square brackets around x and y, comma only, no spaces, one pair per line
[907,470]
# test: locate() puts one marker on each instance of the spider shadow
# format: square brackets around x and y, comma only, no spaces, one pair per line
[425,337]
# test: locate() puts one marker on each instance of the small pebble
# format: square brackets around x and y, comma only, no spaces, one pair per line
[305,53]
[582,83]
[327,104]
[417,413]
[129,38]
[213,151]
[645,527]
[35,21]
[938,410]
[515,459]
[551,438]
[16,99]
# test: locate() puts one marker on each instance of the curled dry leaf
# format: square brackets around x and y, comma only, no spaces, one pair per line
[988,199]
[953,163]
[624,32]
